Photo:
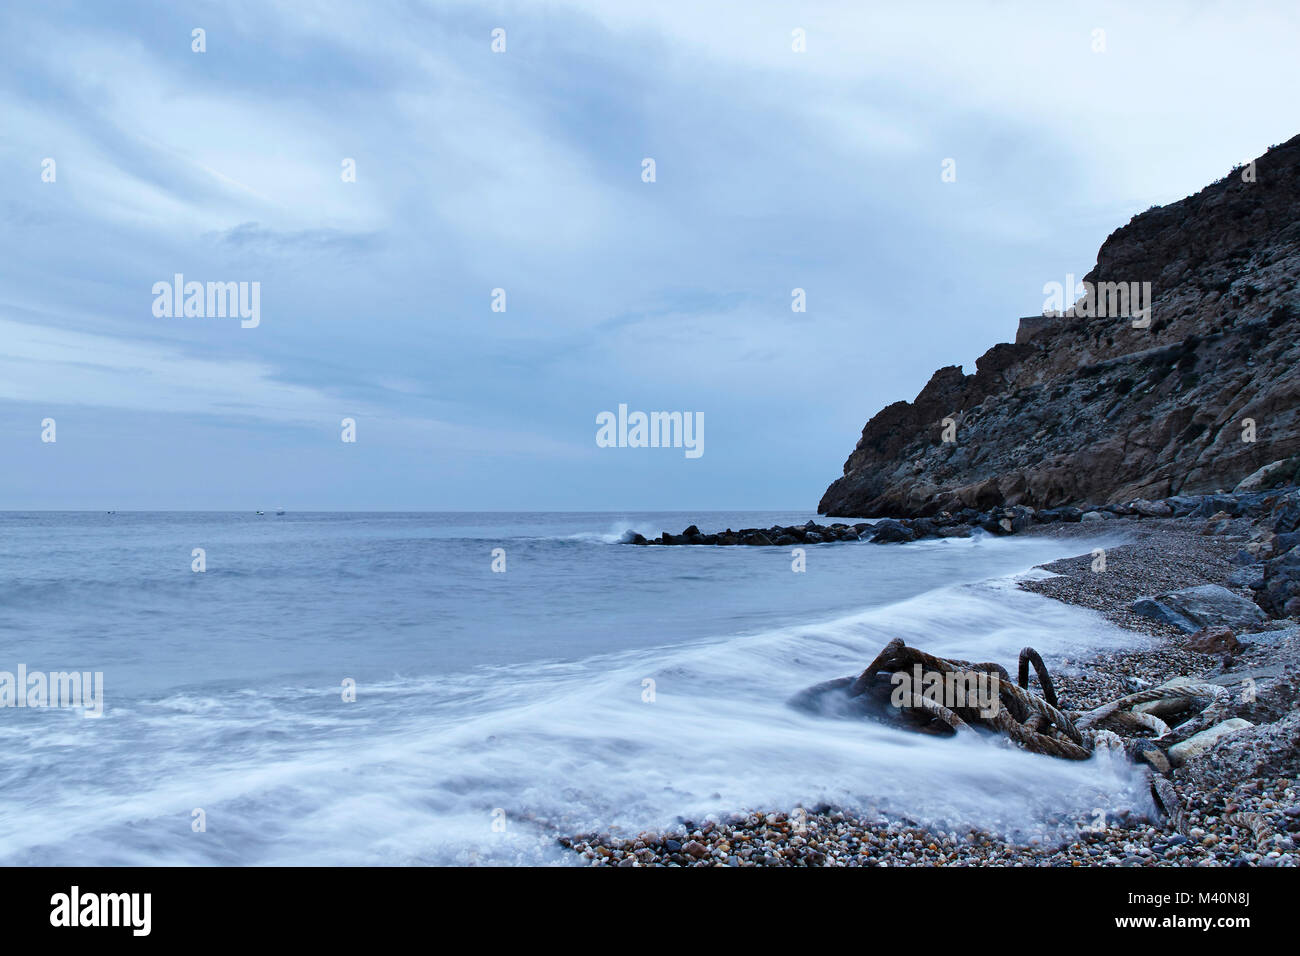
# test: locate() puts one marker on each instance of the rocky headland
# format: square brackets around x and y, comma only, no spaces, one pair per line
[1089,408]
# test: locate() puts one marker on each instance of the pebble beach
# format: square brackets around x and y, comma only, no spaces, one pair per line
[1241,803]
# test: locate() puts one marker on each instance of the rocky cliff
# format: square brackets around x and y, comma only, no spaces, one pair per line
[1086,407]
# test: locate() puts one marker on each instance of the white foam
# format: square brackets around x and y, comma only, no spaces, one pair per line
[414,770]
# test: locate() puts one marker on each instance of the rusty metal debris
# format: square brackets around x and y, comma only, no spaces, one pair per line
[1131,726]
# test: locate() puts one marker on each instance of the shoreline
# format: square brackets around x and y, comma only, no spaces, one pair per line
[1261,799]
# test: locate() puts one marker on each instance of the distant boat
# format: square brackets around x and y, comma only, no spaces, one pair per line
[259,512]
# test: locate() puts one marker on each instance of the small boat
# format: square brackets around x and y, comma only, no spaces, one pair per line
[259,512]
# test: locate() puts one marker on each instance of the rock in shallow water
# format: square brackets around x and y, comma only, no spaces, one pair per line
[889,531]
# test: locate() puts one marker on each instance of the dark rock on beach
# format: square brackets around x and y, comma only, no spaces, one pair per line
[1208,605]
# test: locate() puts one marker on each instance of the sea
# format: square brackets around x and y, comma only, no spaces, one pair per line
[462,688]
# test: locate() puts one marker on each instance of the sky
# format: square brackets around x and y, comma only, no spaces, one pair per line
[523,170]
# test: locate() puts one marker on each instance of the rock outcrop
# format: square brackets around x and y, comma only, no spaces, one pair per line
[1088,407]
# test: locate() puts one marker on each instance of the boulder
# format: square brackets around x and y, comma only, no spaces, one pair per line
[924,527]
[1208,605]
[1212,505]
[1183,505]
[1218,523]
[1215,640]
[1284,542]
[889,531]
[1020,516]
[1281,583]
[1153,509]
[1251,576]
[1287,515]
[1264,477]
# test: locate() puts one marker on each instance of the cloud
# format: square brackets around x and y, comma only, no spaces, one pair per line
[254,238]
[521,171]
[57,367]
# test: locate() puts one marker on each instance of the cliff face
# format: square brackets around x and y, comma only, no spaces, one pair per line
[1088,408]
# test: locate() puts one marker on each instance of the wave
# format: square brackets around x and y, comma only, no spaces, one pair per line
[490,765]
